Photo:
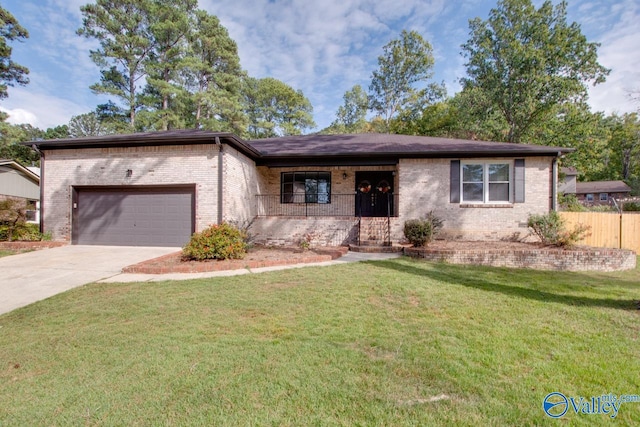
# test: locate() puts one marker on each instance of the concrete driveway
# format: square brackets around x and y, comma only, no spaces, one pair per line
[34,276]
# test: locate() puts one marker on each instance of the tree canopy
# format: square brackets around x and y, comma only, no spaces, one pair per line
[400,82]
[10,72]
[527,61]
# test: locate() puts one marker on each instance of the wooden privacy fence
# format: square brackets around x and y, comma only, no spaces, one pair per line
[608,230]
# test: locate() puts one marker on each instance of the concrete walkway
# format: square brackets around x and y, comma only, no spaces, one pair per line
[33,276]
[349,257]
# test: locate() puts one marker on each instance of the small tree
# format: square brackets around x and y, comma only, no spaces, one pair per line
[551,229]
[13,215]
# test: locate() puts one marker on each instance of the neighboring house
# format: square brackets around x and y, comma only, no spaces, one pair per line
[601,192]
[19,182]
[157,188]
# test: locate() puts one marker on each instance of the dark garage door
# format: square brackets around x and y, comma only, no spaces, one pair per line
[133,217]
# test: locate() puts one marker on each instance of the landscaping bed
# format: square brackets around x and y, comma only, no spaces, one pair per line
[526,255]
[258,256]
[30,246]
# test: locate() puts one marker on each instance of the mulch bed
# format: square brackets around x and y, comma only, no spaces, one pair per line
[256,257]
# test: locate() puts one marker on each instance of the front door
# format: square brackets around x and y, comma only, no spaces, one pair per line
[374,193]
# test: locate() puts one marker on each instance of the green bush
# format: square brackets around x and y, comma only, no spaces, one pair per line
[420,232]
[551,229]
[631,207]
[25,232]
[222,241]
[570,203]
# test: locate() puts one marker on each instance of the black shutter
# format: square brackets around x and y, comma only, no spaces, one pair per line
[519,181]
[454,180]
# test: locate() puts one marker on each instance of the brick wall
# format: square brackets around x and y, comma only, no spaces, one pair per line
[424,186]
[151,165]
[241,183]
[289,231]
[538,259]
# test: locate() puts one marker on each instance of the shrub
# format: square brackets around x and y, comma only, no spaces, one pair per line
[420,232]
[222,241]
[631,207]
[551,229]
[570,203]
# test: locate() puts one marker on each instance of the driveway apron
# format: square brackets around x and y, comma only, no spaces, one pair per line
[33,276]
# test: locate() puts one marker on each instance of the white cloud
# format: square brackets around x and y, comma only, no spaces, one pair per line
[19,116]
[619,53]
[42,110]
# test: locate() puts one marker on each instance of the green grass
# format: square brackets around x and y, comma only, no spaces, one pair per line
[397,342]
[9,252]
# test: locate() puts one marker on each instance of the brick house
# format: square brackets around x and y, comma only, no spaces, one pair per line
[597,193]
[157,188]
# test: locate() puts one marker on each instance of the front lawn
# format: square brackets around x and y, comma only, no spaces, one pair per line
[397,342]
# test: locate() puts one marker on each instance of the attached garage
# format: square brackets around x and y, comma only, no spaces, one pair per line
[133,216]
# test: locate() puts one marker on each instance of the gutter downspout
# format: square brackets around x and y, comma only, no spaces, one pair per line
[554,182]
[220,183]
[40,213]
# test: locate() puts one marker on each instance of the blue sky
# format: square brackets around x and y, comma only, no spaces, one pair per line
[322,48]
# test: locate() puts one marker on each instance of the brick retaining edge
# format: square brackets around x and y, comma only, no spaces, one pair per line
[31,245]
[592,259]
[316,255]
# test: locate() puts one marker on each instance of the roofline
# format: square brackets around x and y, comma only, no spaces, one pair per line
[20,168]
[199,137]
[145,139]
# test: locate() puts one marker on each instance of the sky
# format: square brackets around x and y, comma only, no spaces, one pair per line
[323,48]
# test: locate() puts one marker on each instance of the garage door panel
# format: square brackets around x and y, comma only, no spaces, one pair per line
[134,217]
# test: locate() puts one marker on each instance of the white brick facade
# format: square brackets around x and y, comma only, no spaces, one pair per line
[422,185]
[425,186]
[152,165]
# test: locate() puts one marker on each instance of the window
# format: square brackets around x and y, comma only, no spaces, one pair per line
[33,211]
[604,197]
[486,182]
[305,187]
[590,197]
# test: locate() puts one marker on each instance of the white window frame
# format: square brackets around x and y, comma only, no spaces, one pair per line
[589,197]
[605,198]
[485,181]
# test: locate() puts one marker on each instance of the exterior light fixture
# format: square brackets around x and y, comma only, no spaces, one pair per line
[344,175]
[129,173]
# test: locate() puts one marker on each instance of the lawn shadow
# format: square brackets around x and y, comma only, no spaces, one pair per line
[463,275]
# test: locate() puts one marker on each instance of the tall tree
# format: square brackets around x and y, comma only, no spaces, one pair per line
[275,108]
[88,124]
[351,115]
[528,61]
[10,72]
[122,28]
[625,145]
[399,83]
[169,25]
[10,138]
[214,76]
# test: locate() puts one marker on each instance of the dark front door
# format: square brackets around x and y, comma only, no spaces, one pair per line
[374,193]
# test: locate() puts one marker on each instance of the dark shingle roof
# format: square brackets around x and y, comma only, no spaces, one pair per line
[368,145]
[602,187]
[174,137]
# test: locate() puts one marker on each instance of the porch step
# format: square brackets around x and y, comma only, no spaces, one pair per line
[374,242]
[376,249]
